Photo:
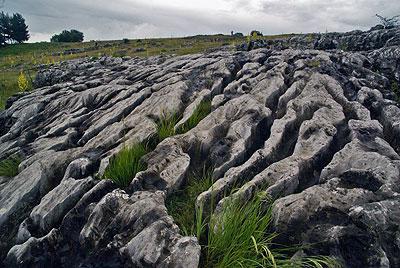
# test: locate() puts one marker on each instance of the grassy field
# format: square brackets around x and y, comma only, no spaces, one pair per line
[26,57]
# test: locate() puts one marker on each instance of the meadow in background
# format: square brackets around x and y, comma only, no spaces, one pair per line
[29,57]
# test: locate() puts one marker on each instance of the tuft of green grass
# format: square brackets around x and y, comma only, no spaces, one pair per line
[9,166]
[240,237]
[201,111]
[396,90]
[124,166]
[181,204]
[314,64]
[166,125]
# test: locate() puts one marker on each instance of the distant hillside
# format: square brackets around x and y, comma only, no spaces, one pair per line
[17,57]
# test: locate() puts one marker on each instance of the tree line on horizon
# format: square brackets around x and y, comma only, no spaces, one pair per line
[13,29]
[68,36]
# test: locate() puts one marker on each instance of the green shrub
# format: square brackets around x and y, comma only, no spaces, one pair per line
[201,111]
[9,166]
[181,204]
[124,166]
[240,237]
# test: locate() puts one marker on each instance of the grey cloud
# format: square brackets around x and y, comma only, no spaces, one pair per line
[104,19]
[338,15]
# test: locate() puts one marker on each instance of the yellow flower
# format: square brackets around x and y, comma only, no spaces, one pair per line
[23,83]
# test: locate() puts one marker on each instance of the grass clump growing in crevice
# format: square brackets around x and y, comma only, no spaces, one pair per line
[166,125]
[9,166]
[314,64]
[396,90]
[167,121]
[201,111]
[240,237]
[124,165]
[181,204]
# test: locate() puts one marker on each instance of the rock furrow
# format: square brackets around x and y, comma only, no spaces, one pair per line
[315,129]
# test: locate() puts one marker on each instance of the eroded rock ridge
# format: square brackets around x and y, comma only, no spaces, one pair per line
[317,129]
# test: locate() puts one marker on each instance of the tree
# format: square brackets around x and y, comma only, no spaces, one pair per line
[19,30]
[68,36]
[255,33]
[2,40]
[389,22]
[12,28]
[5,28]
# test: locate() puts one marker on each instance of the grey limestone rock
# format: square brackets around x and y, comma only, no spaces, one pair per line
[311,120]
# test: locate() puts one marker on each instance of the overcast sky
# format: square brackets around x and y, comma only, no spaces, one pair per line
[117,19]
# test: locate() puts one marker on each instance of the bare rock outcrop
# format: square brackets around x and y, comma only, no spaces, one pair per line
[317,129]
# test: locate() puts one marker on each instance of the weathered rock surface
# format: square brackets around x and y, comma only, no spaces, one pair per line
[315,127]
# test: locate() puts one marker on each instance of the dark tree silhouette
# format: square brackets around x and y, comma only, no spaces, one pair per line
[68,36]
[2,40]
[256,33]
[12,28]
[19,30]
[5,28]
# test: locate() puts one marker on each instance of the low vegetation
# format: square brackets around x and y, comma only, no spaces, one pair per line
[24,83]
[201,111]
[28,57]
[396,90]
[314,64]
[126,163]
[124,166]
[181,204]
[166,125]
[240,237]
[167,122]
[9,166]
[8,86]
[12,83]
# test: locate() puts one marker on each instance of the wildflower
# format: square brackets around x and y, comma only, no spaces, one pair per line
[23,83]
